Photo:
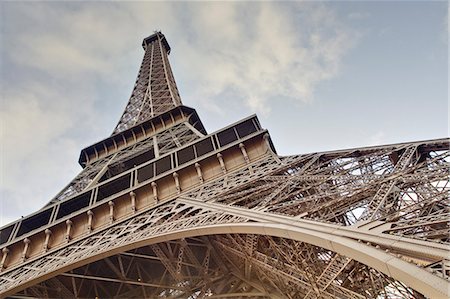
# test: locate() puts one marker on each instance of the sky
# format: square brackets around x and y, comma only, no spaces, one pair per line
[319,75]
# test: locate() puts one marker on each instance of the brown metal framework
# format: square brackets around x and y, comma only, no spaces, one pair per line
[164,210]
[155,90]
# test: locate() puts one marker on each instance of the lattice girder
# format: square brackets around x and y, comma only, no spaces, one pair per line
[191,212]
[163,210]
[155,91]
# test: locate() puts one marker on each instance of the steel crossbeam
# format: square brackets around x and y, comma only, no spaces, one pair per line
[162,210]
[155,90]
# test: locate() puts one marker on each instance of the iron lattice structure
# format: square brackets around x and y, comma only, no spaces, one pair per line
[164,210]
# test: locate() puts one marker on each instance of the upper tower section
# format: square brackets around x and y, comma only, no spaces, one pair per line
[155,90]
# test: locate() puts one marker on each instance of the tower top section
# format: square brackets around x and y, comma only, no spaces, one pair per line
[154,37]
[155,90]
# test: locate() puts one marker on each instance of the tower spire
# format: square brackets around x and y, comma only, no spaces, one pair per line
[155,91]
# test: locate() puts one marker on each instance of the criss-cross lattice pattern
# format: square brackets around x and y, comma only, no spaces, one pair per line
[333,189]
[155,91]
[224,264]
[236,220]
[167,140]
[352,188]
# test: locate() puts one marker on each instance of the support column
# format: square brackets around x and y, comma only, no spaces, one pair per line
[222,164]
[244,152]
[155,191]
[133,201]
[90,215]
[69,224]
[26,245]
[177,182]
[111,211]
[199,172]
[5,252]
[48,234]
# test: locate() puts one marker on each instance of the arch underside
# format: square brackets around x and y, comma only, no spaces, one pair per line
[223,266]
[284,228]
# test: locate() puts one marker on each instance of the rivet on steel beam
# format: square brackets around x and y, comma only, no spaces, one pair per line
[5,252]
[199,172]
[26,245]
[177,182]
[244,152]
[69,224]
[111,211]
[48,233]
[222,164]
[90,217]
[133,201]
[155,191]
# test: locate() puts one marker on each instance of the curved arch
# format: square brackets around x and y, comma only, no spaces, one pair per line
[412,276]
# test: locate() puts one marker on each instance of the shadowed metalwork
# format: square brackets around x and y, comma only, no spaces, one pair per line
[162,209]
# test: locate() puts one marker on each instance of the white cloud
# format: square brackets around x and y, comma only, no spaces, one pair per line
[264,52]
[71,60]
[34,150]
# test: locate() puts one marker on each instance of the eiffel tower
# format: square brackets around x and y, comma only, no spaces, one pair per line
[162,209]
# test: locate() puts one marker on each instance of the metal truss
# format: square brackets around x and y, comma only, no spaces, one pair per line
[276,268]
[155,91]
[269,191]
[172,138]
[226,217]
